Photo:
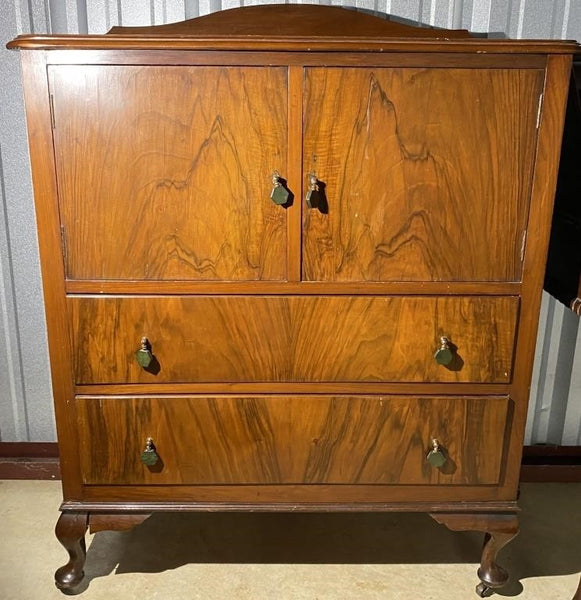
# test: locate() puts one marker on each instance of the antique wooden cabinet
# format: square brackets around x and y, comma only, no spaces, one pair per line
[292,260]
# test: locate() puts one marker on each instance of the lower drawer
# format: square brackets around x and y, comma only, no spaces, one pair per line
[292,439]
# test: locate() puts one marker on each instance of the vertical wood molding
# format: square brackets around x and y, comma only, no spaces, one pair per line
[543,190]
[39,124]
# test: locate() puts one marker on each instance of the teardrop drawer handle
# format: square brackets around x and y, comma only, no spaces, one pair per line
[144,355]
[279,194]
[149,456]
[444,355]
[313,194]
[435,456]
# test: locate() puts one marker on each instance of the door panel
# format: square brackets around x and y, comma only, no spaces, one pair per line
[292,440]
[293,339]
[426,172]
[165,172]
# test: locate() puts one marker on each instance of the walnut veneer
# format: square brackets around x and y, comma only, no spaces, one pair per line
[287,351]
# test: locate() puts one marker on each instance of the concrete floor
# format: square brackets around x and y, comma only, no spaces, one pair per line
[288,557]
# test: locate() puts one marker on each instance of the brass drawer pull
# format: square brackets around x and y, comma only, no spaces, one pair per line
[444,355]
[149,456]
[435,456]
[143,355]
[279,195]
[313,195]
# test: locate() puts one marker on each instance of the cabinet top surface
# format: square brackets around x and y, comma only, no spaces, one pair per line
[291,27]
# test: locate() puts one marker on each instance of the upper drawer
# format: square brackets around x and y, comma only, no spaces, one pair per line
[293,339]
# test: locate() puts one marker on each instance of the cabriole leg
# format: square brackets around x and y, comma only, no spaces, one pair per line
[70,532]
[499,529]
[490,573]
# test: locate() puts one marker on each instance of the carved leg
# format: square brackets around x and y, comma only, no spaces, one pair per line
[70,532]
[490,574]
[499,530]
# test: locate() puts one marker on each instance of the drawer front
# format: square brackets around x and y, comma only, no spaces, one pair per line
[293,339]
[292,440]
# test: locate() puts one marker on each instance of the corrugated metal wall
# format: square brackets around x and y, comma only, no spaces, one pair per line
[26,412]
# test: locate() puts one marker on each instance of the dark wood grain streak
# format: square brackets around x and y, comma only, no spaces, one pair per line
[292,440]
[421,185]
[293,339]
[174,177]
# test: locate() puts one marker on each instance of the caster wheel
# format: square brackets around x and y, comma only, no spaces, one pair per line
[483,590]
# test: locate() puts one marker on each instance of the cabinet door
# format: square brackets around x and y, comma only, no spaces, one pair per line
[426,172]
[165,172]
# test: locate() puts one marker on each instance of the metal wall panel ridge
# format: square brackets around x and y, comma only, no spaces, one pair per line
[26,412]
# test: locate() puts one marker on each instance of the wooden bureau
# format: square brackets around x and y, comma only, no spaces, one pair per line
[292,260]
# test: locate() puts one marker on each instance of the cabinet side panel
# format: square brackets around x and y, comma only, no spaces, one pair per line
[539,226]
[45,194]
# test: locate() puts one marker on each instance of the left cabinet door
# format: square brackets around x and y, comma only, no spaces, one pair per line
[165,172]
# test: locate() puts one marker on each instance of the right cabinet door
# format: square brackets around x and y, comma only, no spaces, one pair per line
[426,172]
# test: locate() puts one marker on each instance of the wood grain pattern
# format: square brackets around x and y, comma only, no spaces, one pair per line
[406,288]
[38,122]
[542,198]
[427,172]
[295,163]
[305,497]
[285,43]
[165,173]
[303,387]
[289,440]
[115,522]
[288,504]
[292,339]
[304,379]
[168,56]
[292,20]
